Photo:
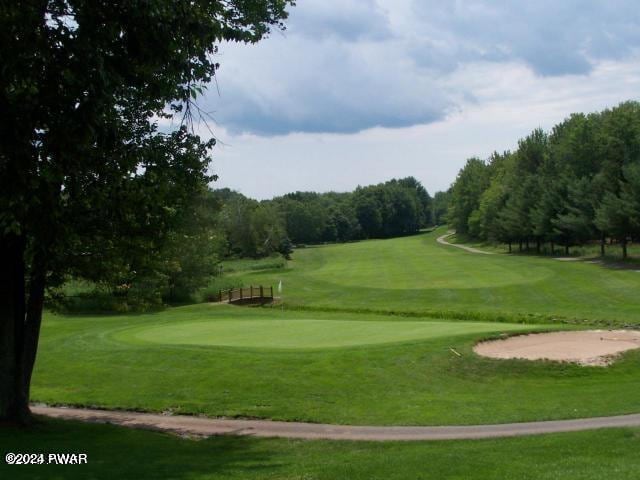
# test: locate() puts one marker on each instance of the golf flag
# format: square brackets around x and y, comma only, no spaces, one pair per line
[280,287]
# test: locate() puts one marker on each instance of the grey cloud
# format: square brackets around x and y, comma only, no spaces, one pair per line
[553,37]
[326,88]
[349,20]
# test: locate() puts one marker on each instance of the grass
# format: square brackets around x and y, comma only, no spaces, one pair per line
[97,361]
[415,275]
[273,262]
[303,334]
[353,345]
[328,358]
[116,452]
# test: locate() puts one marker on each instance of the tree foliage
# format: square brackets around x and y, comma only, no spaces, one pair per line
[575,185]
[84,172]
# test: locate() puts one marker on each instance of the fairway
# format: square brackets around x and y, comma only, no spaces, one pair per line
[419,276]
[304,334]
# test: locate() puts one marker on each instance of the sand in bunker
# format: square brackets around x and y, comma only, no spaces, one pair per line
[592,347]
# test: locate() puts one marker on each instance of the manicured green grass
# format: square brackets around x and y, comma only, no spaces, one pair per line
[93,361]
[332,356]
[303,334]
[417,275]
[116,452]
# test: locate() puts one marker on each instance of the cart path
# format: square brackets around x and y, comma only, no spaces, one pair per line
[442,239]
[202,426]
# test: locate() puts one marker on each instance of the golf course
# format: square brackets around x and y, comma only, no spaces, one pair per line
[377,332]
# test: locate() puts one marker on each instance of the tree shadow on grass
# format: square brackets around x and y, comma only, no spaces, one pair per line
[613,263]
[124,453]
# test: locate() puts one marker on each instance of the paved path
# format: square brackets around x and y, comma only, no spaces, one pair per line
[201,426]
[442,239]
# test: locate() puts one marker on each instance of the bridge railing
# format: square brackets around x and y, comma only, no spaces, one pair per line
[246,294]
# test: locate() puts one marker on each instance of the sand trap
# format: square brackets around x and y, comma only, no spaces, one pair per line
[593,347]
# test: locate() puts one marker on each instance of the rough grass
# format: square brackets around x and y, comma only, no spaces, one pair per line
[116,452]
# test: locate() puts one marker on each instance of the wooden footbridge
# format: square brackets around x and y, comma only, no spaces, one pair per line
[247,295]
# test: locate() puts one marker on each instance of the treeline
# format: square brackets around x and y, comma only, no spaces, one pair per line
[255,229]
[123,271]
[197,233]
[578,184]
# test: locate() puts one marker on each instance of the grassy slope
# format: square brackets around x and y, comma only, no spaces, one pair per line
[83,360]
[415,274]
[121,453]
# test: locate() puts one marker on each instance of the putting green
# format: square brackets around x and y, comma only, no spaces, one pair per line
[305,334]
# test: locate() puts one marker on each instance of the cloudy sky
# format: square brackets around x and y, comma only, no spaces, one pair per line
[360,91]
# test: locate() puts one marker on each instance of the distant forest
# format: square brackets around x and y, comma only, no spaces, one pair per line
[577,184]
[394,208]
[185,262]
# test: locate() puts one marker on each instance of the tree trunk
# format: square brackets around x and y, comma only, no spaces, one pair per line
[603,242]
[537,245]
[527,244]
[566,249]
[624,248]
[553,249]
[520,246]
[33,321]
[20,320]
[509,247]
[14,402]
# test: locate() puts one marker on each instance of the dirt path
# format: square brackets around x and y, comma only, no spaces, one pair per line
[442,239]
[201,426]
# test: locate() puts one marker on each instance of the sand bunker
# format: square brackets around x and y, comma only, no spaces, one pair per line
[593,347]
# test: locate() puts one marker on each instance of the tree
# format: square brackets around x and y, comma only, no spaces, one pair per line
[439,207]
[578,184]
[423,197]
[574,221]
[251,228]
[613,218]
[403,211]
[192,250]
[305,219]
[471,182]
[619,214]
[83,84]
[368,212]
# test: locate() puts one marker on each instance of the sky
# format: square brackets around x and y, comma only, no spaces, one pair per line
[357,92]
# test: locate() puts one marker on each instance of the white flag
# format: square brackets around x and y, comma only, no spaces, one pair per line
[280,287]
